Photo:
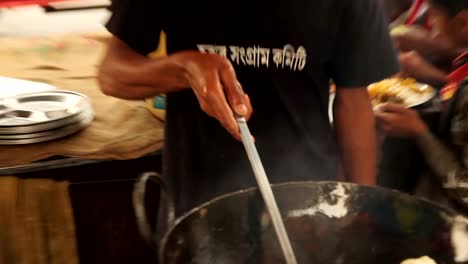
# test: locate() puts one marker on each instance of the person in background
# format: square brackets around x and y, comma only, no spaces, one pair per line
[425,53]
[402,14]
[415,66]
[396,9]
[433,47]
[276,57]
[427,56]
[418,34]
[445,152]
[418,12]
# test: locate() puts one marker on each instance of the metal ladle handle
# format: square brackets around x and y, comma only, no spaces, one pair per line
[266,191]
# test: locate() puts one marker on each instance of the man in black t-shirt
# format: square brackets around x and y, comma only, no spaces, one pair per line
[276,57]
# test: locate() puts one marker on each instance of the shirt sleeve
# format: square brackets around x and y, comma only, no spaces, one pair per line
[450,165]
[365,52]
[136,23]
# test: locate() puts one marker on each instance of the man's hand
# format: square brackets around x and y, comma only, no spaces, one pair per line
[433,48]
[414,65]
[418,39]
[398,121]
[129,75]
[214,82]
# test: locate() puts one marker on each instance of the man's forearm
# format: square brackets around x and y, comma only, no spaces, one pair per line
[445,165]
[355,128]
[126,74]
[442,161]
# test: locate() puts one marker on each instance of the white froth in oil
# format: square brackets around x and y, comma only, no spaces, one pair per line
[338,209]
[460,239]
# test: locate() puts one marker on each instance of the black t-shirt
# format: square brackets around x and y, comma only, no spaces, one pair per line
[284,53]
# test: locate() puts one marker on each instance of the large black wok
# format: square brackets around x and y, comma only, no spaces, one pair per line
[327,223]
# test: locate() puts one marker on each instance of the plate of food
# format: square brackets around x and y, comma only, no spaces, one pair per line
[405,91]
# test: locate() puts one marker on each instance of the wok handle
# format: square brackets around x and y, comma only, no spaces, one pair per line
[139,194]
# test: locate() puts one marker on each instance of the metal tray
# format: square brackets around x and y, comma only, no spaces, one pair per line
[58,133]
[41,111]
[80,118]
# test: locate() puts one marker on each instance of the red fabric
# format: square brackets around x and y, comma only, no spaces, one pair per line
[414,11]
[459,73]
[13,3]
[460,69]
[460,60]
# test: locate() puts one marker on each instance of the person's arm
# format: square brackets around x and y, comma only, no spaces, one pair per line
[127,73]
[355,129]
[414,65]
[450,167]
[365,54]
[437,49]
[452,171]
[394,8]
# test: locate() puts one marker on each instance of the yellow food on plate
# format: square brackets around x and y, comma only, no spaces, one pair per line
[400,30]
[421,260]
[396,90]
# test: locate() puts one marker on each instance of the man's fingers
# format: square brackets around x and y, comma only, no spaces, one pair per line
[222,111]
[384,118]
[385,121]
[233,89]
[234,131]
[212,100]
[386,128]
[219,93]
[249,107]
[391,107]
[397,42]
[379,116]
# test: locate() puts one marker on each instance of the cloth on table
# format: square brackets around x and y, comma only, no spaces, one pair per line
[121,129]
[36,222]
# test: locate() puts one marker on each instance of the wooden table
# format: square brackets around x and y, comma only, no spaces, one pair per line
[101,198]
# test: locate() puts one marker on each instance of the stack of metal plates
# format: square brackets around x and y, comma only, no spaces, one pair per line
[43,116]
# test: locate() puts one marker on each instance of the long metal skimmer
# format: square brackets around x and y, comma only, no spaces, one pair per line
[267,193]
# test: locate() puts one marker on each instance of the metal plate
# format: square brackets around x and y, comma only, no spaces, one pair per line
[423,98]
[41,107]
[80,118]
[413,99]
[58,133]
[14,87]
[41,111]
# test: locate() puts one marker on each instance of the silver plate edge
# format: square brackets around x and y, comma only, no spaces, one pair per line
[425,100]
[4,129]
[62,134]
[82,117]
[40,127]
